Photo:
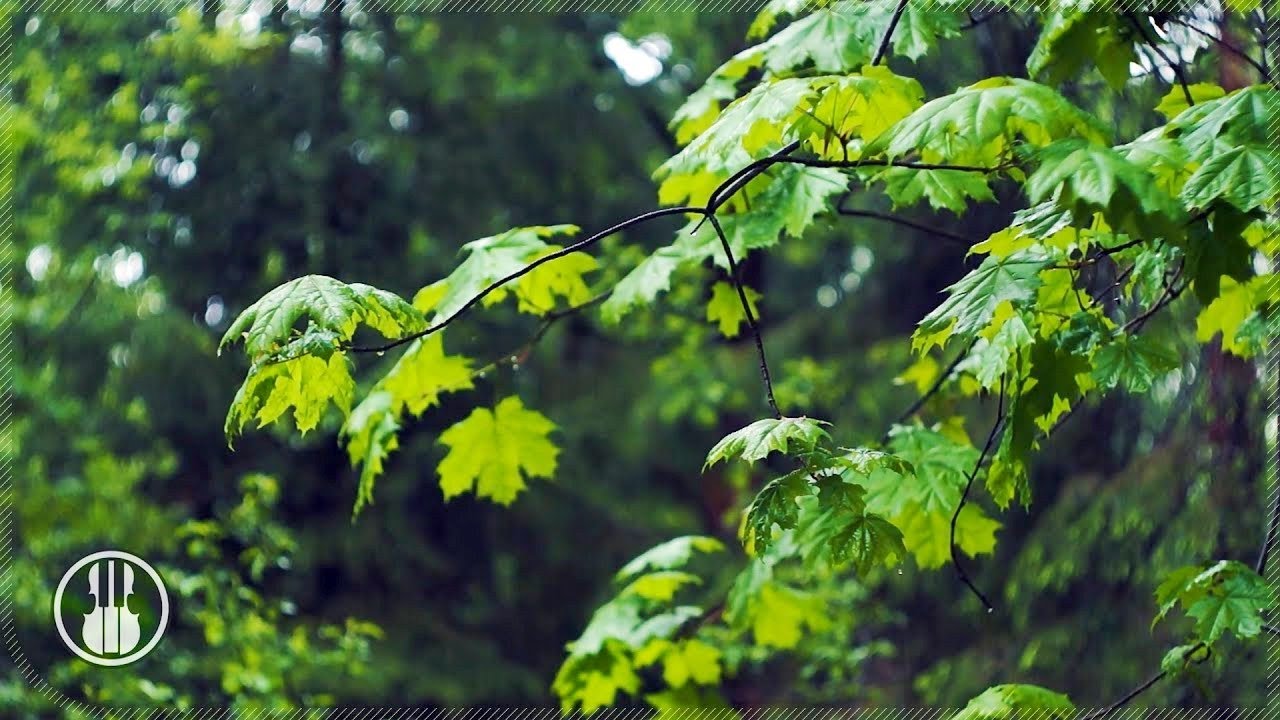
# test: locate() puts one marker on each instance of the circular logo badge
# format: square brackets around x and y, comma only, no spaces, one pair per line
[111,608]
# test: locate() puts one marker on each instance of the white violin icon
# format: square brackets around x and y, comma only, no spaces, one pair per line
[111,629]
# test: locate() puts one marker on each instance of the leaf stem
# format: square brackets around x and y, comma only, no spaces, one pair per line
[888,32]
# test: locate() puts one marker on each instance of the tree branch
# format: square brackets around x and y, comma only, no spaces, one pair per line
[1178,71]
[933,389]
[973,474]
[944,234]
[888,32]
[1226,46]
[751,317]
[575,247]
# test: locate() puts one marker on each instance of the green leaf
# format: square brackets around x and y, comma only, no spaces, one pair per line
[702,107]
[1175,101]
[1007,702]
[780,614]
[749,127]
[922,503]
[1247,176]
[669,555]
[660,586]
[328,305]
[423,373]
[642,285]
[491,452]
[978,124]
[853,109]
[492,258]
[1085,179]
[725,308]
[973,299]
[1246,117]
[371,432]
[1080,38]
[307,384]
[945,189]
[837,531]
[537,291]
[1227,597]
[1132,362]
[1178,659]
[755,441]
[774,504]
[1234,606]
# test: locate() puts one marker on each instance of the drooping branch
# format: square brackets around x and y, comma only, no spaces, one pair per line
[746,309]
[1178,71]
[939,232]
[996,427]
[496,284]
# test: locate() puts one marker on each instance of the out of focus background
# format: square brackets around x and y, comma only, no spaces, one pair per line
[171,167]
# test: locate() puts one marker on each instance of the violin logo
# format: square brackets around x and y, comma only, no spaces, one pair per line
[111,608]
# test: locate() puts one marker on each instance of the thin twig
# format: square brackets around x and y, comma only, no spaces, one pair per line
[944,234]
[878,162]
[888,32]
[1178,71]
[933,389]
[1226,46]
[522,353]
[973,474]
[575,247]
[746,309]
[1128,698]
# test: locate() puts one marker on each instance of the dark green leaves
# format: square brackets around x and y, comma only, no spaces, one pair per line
[1227,597]
[1085,179]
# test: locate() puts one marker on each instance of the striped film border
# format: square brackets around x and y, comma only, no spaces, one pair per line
[8,450]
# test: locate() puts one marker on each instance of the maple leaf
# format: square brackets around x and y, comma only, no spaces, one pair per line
[423,373]
[671,554]
[725,307]
[493,451]
[307,384]
[972,301]
[328,305]
[371,432]
[1007,702]
[762,437]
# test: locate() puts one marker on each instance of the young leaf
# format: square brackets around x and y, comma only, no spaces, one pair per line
[372,434]
[1010,702]
[669,555]
[979,123]
[307,384]
[762,437]
[423,373]
[491,452]
[659,586]
[1227,597]
[492,258]
[725,308]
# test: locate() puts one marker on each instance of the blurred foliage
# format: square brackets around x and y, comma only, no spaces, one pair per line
[171,168]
